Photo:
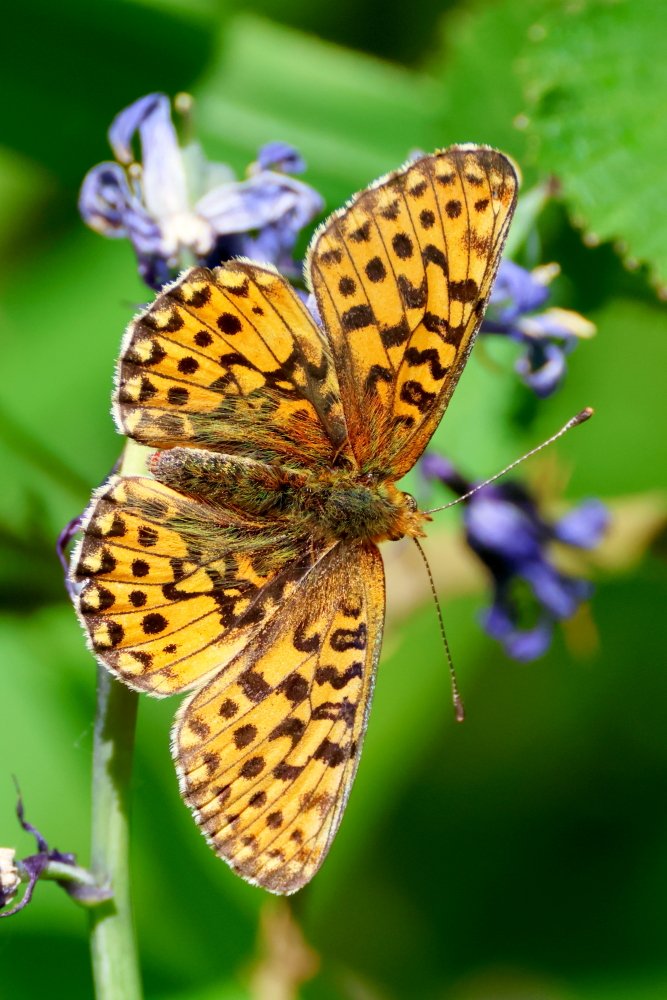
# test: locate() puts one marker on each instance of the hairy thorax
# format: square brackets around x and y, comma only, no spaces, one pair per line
[331,504]
[348,506]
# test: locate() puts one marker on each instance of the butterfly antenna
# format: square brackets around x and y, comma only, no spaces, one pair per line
[459,711]
[580,418]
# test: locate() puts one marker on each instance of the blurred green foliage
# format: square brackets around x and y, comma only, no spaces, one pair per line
[524,854]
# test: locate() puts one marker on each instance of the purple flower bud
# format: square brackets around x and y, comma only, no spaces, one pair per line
[547,337]
[542,368]
[523,645]
[516,292]
[9,876]
[434,466]
[501,527]
[558,594]
[79,884]
[268,211]
[584,526]
[104,198]
[280,156]
[130,120]
[311,305]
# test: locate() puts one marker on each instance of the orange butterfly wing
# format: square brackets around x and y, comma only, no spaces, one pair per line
[401,277]
[172,588]
[231,360]
[267,762]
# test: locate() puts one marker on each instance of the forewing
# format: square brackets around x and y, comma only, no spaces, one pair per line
[402,277]
[266,762]
[171,588]
[231,360]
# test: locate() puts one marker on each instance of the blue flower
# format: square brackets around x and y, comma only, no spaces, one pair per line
[176,207]
[547,336]
[507,532]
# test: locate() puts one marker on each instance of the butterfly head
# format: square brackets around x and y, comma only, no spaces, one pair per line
[408,520]
[366,507]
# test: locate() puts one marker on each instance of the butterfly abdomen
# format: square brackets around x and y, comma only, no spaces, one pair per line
[258,489]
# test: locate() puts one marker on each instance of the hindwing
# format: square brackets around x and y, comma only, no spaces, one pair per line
[267,762]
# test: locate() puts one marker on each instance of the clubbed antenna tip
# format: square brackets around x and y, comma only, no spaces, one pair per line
[579,418]
[582,417]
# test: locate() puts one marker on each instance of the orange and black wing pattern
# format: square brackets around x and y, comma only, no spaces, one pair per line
[173,587]
[267,761]
[212,574]
[401,277]
[231,360]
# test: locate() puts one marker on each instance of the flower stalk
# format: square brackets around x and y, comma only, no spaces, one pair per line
[48,864]
[70,875]
[112,940]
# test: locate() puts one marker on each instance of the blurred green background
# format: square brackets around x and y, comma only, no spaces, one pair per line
[522,856]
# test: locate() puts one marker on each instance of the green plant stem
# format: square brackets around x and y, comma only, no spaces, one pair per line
[66,874]
[114,953]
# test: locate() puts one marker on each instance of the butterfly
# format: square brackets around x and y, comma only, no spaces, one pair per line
[245,568]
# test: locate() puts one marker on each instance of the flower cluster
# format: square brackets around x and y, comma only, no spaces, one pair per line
[547,336]
[511,537]
[178,208]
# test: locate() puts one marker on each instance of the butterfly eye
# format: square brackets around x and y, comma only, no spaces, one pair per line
[410,502]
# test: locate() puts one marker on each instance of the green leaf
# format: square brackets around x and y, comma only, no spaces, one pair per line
[596,83]
[481,93]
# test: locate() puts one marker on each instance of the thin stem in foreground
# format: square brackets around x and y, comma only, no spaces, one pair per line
[113,947]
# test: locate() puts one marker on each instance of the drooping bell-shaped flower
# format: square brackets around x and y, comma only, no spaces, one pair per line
[177,208]
[547,335]
[506,530]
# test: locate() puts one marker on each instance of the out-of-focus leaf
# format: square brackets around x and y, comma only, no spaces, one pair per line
[70,66]
[595,76]
[25,187]
[621,988]
[351,116]
[61,326]
[481,94]
[620,372]
[528,210]
[223,990]
[46,731]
